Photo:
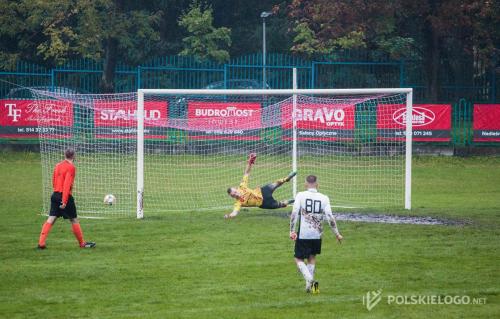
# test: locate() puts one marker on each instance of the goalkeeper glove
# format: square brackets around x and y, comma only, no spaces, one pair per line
[251,158]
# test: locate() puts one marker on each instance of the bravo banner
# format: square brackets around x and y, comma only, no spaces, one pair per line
[117,119]
[224,120]
[430,122]
[486,123]
[319,122]
[28,118]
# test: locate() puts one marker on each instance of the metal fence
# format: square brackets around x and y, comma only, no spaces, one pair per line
[334,71]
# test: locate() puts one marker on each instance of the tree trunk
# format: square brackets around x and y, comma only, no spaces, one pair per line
[108,75]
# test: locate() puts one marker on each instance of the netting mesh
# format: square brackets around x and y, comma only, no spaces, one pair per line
[196,146]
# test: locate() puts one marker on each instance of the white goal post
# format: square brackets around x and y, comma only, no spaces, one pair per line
[373,157]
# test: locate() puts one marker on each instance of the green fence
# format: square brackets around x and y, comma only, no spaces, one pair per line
[343,70]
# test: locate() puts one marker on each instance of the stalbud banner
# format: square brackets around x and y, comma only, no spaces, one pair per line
[430,122]
[319,122]
[486,123]
[29,118]
[118,119]
[224,120]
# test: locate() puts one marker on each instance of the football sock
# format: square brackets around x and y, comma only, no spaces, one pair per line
[311,268]
[305,272]
[77,230]
[44,233]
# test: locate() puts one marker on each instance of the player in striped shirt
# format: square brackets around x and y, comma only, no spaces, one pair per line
[261,197]
[62,203]
[309,210]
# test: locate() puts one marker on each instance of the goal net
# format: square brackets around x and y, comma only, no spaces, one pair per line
[179,150]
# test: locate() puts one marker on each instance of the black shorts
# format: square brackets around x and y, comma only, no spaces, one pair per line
[68,212]
[267,198]
[304,248]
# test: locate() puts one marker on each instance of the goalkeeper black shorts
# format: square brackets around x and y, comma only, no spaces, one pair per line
[268,201]
[68,212]
[304,248]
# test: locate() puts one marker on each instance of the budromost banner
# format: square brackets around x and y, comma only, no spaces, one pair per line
[224,120]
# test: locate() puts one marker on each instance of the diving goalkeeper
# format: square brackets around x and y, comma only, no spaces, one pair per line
[261,197]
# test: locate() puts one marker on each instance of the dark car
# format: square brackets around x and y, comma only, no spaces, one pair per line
[178,105]
[237,84]
[30,92]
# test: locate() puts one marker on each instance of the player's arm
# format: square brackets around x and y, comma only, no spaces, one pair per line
[236,210]
[332,223]
[251,161]
[294,217]
[68,182]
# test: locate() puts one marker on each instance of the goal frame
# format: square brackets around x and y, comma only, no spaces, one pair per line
[291,92]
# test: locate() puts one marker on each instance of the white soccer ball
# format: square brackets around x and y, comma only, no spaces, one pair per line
[109,199]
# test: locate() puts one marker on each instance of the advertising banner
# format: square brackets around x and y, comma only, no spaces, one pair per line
[28,118]
[224,120]
[117,119]
[430,122]
[319,122]
[486,123]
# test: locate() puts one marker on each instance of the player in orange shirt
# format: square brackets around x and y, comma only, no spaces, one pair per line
[261,197]
[62,203]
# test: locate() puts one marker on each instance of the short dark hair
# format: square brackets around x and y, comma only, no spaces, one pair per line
[69,153]
[229,190]
[311,179]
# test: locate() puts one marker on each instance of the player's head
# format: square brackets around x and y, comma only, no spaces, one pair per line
[233,192]
[311,181]
[69,154]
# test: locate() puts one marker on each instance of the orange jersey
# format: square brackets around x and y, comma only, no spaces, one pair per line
[62,179]
[250,197]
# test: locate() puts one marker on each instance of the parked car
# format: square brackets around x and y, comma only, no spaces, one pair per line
[237,84]
[27,93]
[178,105]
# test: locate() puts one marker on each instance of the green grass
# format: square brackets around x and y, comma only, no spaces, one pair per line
[198,265]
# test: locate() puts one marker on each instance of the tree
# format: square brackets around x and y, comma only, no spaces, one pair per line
[51,32]
[323,26]
[204,40]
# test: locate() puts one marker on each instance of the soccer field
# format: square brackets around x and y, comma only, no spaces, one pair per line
[198,265]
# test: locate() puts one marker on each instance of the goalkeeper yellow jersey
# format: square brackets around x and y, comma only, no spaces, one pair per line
[249,197]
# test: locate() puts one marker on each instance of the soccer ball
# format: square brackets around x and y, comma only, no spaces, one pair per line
[109,199]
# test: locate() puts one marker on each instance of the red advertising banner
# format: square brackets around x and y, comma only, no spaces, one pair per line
[430,122]
[28,118]
[117,119]
[319,122]
[486,123]
[224,120]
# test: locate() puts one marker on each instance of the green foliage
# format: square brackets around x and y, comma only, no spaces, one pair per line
[204,41]
[55,31]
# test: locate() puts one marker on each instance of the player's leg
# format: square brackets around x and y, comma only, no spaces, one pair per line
[301,266]
[55,201]
[70,213]
[282,181]
[301,252]
[311,266]
[77,231]
[46,227]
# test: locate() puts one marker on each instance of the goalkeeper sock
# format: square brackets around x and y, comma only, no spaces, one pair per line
[305,272]
[44,233]
[77,230]
[311,268]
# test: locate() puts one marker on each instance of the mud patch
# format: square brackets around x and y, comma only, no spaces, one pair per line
[380,218]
